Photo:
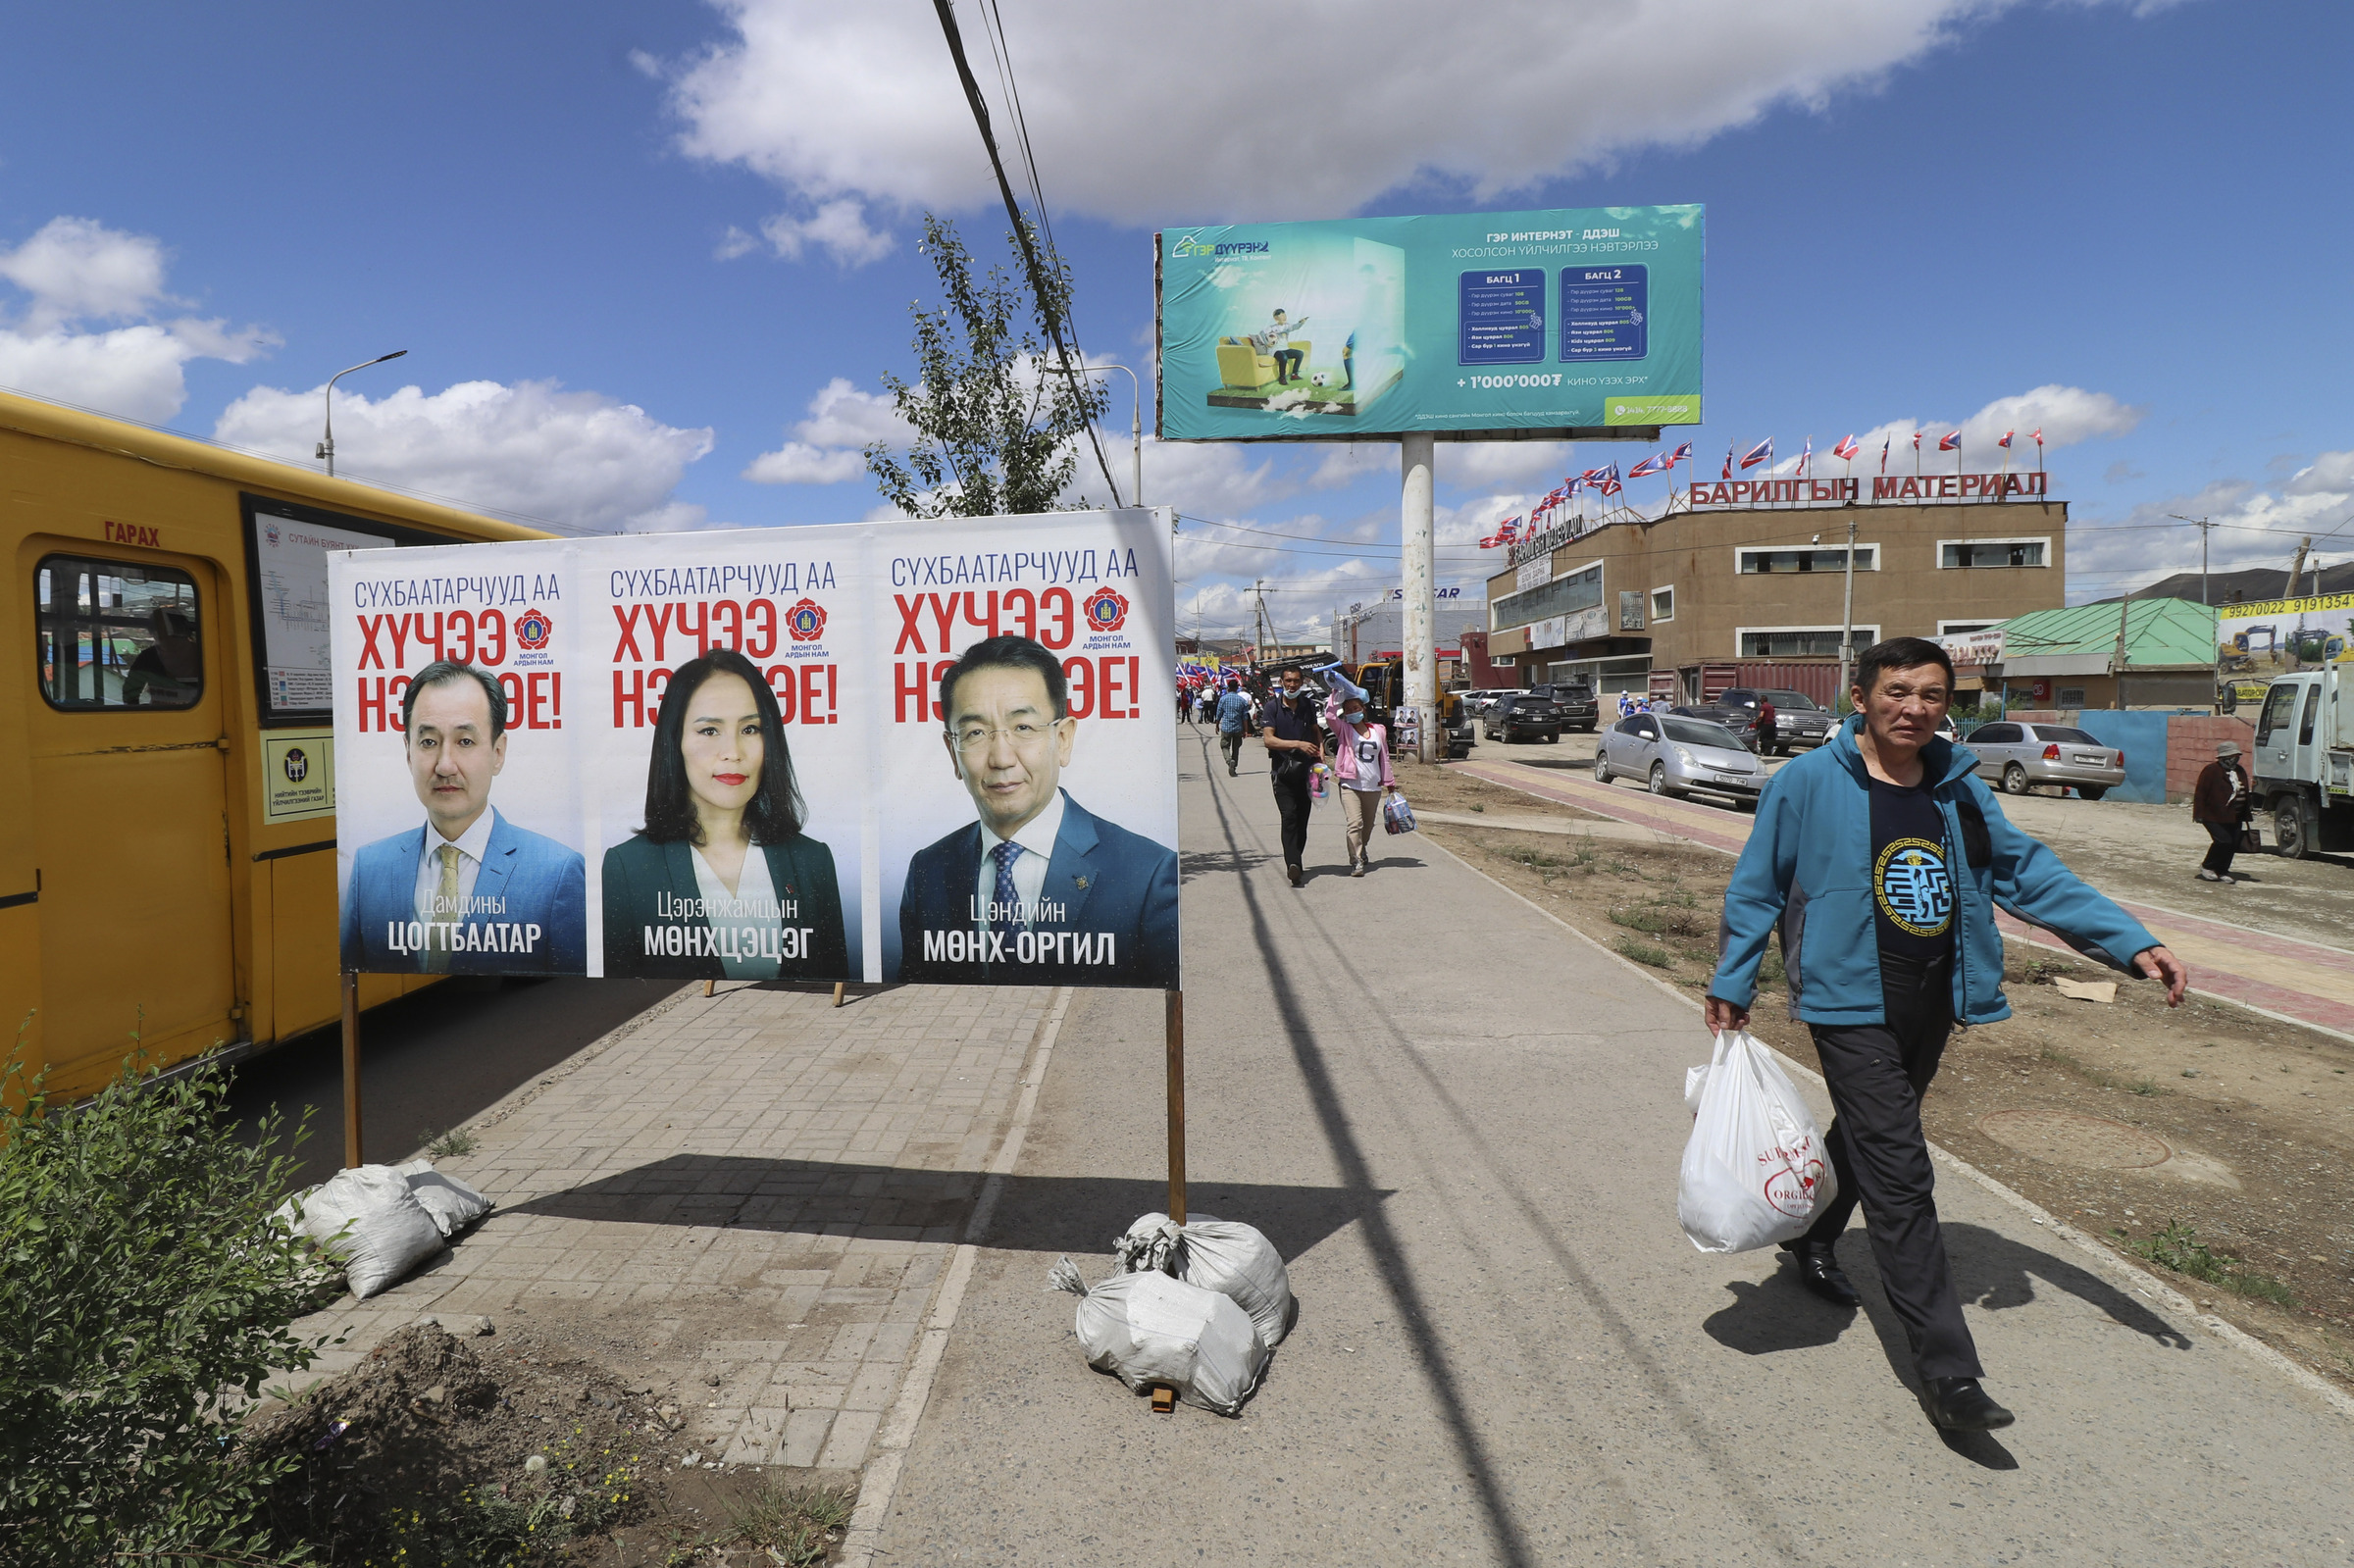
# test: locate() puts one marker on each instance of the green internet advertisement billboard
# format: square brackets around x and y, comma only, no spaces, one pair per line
[1572,321]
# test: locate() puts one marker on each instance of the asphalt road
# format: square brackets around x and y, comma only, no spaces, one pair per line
[430,1060]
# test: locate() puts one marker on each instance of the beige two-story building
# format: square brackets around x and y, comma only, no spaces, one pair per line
[1674,595]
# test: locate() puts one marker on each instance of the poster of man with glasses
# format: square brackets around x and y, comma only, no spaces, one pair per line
[1028,767]
[1038,889]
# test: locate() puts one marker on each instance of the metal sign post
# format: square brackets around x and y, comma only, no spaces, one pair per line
[1176,1050]
[351,1069]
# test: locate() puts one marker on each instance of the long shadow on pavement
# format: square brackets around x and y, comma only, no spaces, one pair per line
[1034,1213]
[429,1060]
[1381,1238]
[1990,1270]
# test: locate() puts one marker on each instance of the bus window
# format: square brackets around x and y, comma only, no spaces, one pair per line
[116,634]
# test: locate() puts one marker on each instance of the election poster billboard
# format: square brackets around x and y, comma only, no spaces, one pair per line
[893,751]
[1564,322]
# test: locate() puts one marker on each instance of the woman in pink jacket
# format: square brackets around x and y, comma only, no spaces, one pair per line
[1364,764]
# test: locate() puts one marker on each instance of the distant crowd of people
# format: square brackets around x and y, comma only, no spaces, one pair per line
[1299,724]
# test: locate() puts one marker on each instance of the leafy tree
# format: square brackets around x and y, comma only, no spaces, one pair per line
[996,422]
[145,1293]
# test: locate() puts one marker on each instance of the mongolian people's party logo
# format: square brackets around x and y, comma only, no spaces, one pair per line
[805,622]
[1106,611]
[533,629]
[270,532]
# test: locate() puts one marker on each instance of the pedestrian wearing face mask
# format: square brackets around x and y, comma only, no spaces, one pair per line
[1363,764]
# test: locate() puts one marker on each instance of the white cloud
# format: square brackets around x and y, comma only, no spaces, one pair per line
[839,225]
[830,445]
[74,272]
[533,448]
[1501,463]
[799,463]
[2330,474]
[78,268]
[860,103]
[2068,416]
[2254,527]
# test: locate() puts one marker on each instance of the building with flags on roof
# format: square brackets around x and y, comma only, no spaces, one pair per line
[1741,581]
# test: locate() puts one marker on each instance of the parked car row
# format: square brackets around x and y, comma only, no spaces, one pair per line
[1799,720]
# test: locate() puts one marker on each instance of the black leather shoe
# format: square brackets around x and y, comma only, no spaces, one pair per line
[1819,1272]
[1959,1404]
[1292,870]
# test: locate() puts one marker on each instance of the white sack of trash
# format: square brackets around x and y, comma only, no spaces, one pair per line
[1147,1328]
[1227,1257]
[379,1222]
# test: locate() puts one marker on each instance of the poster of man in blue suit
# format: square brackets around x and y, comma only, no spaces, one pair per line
[1038,890]
[466,891]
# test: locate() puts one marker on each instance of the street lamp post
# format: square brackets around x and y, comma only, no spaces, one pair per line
[327,441]
[1136,420]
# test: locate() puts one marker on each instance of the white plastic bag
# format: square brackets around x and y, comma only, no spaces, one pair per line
[452,1202]
[1146,1327]
[1227,1257]
[367,1220]
[1756,1171]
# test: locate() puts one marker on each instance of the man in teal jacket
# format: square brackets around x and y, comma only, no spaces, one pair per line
[1881,858]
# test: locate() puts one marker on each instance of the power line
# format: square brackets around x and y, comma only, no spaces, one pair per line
[1021,229]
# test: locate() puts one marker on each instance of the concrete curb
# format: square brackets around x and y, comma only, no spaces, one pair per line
[881,1478]
[2104,1261]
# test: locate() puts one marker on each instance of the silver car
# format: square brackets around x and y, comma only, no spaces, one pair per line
[1675,756]
[2021,756]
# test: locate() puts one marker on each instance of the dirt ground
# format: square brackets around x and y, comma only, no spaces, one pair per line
[423,1455]
[2216,1154]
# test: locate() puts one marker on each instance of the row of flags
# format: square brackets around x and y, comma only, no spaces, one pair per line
[1607,482]
[1846,450]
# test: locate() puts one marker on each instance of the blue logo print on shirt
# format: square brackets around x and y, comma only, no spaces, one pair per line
[1914,888]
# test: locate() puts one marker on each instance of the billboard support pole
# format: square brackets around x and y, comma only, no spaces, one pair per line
[1417,456]
[351,1069]
[1176,1050]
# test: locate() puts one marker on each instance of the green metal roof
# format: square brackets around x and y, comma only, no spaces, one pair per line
[2158,633]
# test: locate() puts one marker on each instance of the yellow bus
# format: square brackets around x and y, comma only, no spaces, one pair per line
[167,766]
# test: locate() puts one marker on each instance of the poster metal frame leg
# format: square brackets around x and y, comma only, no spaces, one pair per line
[351,1069]
[1176,1055]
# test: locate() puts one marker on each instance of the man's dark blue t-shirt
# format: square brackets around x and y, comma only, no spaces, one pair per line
[1912,876]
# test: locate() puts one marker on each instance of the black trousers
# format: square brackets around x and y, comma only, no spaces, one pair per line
[1292,804]
[1877,1073]
[2225,847]
[1232,745]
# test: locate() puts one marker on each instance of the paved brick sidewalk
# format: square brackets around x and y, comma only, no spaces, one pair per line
[744,1200]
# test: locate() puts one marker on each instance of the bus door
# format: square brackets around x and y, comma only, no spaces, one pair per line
[129,797]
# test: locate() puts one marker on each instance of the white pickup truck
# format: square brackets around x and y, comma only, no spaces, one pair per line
[2304,763]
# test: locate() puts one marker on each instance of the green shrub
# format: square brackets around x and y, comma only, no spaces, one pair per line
[1645,953]
[2179,1247]
[146,1294]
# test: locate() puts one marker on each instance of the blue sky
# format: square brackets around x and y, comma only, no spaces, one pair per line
[632,250]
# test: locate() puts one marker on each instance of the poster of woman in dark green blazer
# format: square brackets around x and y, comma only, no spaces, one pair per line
[721,882]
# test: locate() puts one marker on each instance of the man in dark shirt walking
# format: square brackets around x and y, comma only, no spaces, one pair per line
[1295,745]
[1883,957]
